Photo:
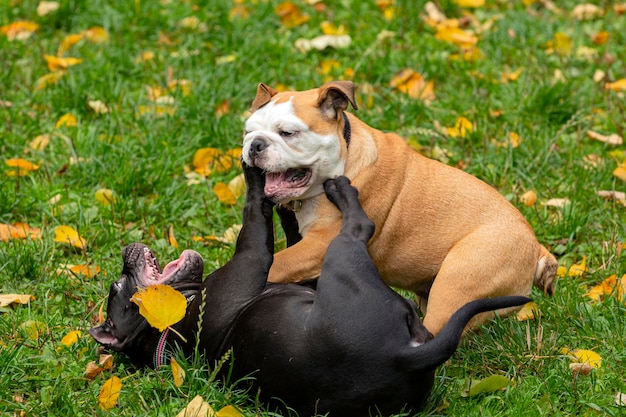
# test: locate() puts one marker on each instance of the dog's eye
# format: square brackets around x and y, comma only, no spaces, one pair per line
[287,133]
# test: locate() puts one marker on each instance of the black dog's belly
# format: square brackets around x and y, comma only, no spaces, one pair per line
[316,365]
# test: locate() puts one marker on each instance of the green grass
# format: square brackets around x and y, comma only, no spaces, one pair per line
[143,158]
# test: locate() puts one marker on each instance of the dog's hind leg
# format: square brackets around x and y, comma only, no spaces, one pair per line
[473,270]
[350,287]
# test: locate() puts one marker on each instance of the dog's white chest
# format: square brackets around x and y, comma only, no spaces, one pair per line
[306,215]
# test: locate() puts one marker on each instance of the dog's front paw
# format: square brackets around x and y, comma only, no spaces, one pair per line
[254,176]
[340,192]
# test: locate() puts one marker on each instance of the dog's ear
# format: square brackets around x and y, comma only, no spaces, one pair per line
[264,94]
[334,97]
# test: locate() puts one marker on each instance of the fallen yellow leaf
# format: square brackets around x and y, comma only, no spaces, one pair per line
[191,22]
[157,110]
[470,3]
[508,76]
[88,271]
[620,172]
[609,286]
[47,80]
[96,34]
[574,270]
[67,42]
[457,36]
[171,238]
[229,411]
[528,311]
[18,231]
[59,63]
[239,11]
[327,66]
[619,85]
[23,167]
[514,139]
[71,338]
[413,84]
[562,44]
[145,56]
[161,305]
[67,234]
[109,393]
[33,329]
[461,127]
[177,372]
[8,299]
[68,119]
[105,196]
[208,160]
[290,15]
[224,194]
[329,28]
[583,356]
[229,237]
[20,30]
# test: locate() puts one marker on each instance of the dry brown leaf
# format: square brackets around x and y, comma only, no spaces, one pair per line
[529,198]
[94,369]
[322,42]
[8,299]
[580,368]
[557,202]
[197,408]
[46,7]
[618,196]
[587,11]
[613,139]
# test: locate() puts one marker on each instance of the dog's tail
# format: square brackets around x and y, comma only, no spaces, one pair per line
[438,350]
[545,272]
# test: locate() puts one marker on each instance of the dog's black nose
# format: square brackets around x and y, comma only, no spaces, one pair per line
[257,147]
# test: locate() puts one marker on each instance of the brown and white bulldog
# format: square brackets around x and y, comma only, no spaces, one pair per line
[440,232]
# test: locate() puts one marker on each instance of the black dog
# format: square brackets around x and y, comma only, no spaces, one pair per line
[350,347]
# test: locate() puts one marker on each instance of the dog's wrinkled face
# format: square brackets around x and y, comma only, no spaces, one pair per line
[295,138]
[141,269]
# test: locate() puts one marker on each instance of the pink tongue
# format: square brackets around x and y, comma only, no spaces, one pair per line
[273,181]
[172,266]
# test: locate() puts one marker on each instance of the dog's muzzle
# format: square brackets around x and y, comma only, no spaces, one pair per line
[256,148]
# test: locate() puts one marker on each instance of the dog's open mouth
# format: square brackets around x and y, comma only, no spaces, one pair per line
[288,184]
[188,267]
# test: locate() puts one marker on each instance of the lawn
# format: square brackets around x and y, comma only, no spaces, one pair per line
[121,122]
